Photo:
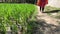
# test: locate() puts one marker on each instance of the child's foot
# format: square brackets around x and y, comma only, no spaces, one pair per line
[41,11]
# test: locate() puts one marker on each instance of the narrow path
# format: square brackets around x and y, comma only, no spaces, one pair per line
[48,19]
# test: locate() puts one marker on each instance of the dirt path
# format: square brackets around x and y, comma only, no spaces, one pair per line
[48,19]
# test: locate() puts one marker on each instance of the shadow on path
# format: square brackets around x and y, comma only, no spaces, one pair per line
[53,11]
[41,27]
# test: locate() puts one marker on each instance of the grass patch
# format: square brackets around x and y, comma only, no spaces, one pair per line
[12,15]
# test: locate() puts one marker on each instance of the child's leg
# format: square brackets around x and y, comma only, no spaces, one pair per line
[43,9]
[40,8]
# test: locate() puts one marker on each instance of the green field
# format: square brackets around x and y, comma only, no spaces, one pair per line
[12,15]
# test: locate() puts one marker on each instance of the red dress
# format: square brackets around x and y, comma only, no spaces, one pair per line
[42,3]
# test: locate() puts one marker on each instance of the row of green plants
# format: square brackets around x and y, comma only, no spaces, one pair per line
[15,16]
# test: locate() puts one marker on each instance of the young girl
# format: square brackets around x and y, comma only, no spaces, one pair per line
[42,4]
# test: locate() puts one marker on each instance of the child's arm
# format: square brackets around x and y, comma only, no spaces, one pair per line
[38,2]
[46,1]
